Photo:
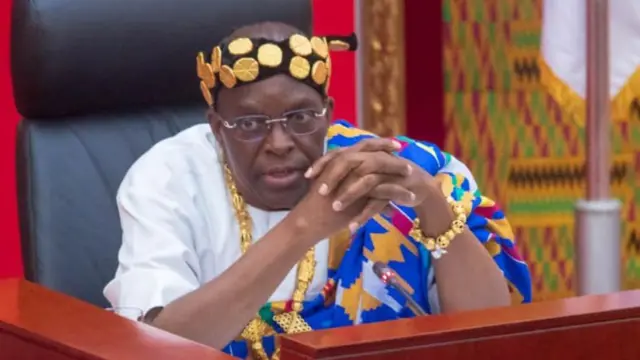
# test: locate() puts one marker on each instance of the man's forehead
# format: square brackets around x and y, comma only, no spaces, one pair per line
[279,92]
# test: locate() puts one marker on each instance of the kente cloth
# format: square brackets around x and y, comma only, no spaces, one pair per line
[354,294]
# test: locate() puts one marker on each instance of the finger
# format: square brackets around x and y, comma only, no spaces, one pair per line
[363,163]
[372,208]
[368,145]
[385,163]
[394,193]
[339,169]
[378,144]
[355,191]
[318,166]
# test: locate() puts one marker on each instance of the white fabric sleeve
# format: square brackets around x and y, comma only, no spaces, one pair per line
[157,260]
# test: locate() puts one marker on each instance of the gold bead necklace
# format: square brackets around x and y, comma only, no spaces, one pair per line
[290,322]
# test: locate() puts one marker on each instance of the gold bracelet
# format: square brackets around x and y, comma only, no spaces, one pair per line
[437,245]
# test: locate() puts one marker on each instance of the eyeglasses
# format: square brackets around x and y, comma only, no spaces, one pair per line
[256,127]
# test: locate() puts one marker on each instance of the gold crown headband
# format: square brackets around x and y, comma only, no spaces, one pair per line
[246,60]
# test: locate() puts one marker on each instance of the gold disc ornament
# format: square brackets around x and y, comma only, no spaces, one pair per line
[299,67]
[216,59]
[269,55]
[200,64]
[227,77]
[206,93]
[319,72]
[300,45]
[320,47]
[240,46]
[246,69]
[205,72]
[339,45]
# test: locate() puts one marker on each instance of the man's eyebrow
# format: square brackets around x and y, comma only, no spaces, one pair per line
[301,103]
[249,108]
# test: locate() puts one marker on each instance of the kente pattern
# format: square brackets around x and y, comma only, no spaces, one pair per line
[353,293]
[525,151]
[559,175]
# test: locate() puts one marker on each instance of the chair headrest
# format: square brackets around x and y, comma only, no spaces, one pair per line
[73,58]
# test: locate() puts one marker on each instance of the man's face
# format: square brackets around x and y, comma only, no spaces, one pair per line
[269,169]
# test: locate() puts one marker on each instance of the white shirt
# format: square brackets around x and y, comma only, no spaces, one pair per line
[179,230]
[178,226]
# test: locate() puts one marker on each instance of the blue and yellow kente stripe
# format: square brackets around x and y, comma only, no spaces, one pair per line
[345,300]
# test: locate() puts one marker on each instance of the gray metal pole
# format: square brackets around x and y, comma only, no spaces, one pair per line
[598,216]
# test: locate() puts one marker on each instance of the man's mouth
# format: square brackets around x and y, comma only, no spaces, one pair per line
[282,177]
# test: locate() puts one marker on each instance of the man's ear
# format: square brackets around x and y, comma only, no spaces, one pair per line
[215,122]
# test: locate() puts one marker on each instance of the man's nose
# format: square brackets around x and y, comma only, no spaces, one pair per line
[279,140]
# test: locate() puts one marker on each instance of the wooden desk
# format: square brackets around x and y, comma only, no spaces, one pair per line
[593,327]
[37,324]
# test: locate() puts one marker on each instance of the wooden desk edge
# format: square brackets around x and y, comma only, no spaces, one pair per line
[482,323]
[58,322]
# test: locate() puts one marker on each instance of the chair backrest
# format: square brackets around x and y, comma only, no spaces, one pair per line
[98,82]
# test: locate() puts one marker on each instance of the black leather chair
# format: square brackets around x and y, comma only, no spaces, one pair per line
[98,82]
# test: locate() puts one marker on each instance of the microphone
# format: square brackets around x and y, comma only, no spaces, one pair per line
[389,278]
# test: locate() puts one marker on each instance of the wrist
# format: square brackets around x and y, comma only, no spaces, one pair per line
[429,230]
[435,214]
[301,227]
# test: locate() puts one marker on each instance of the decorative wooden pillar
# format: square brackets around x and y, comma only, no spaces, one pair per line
[383,66]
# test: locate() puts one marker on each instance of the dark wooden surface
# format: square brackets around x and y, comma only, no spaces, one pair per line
[36,324]
[592,327]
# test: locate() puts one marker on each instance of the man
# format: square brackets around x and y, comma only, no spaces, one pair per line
[216,218]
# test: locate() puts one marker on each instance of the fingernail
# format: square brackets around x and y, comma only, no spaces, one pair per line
[412,197]
[409,170]
[337,205]
[353,227]
[324,189]
[397,145]
[308,173]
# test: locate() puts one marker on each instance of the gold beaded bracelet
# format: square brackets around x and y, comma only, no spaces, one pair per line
[437,245]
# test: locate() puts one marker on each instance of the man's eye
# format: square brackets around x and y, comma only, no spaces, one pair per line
[301,117]
[248,124]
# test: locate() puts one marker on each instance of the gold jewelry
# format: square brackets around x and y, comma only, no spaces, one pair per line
[246,69]
[246,60]
[437,245]
[299,67]
[290,322]
[319,72]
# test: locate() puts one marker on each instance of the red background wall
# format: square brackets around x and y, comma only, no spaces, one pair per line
[424,70]
[338,17]
[10,264]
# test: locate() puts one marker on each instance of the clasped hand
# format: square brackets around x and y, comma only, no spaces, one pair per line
[360,182]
